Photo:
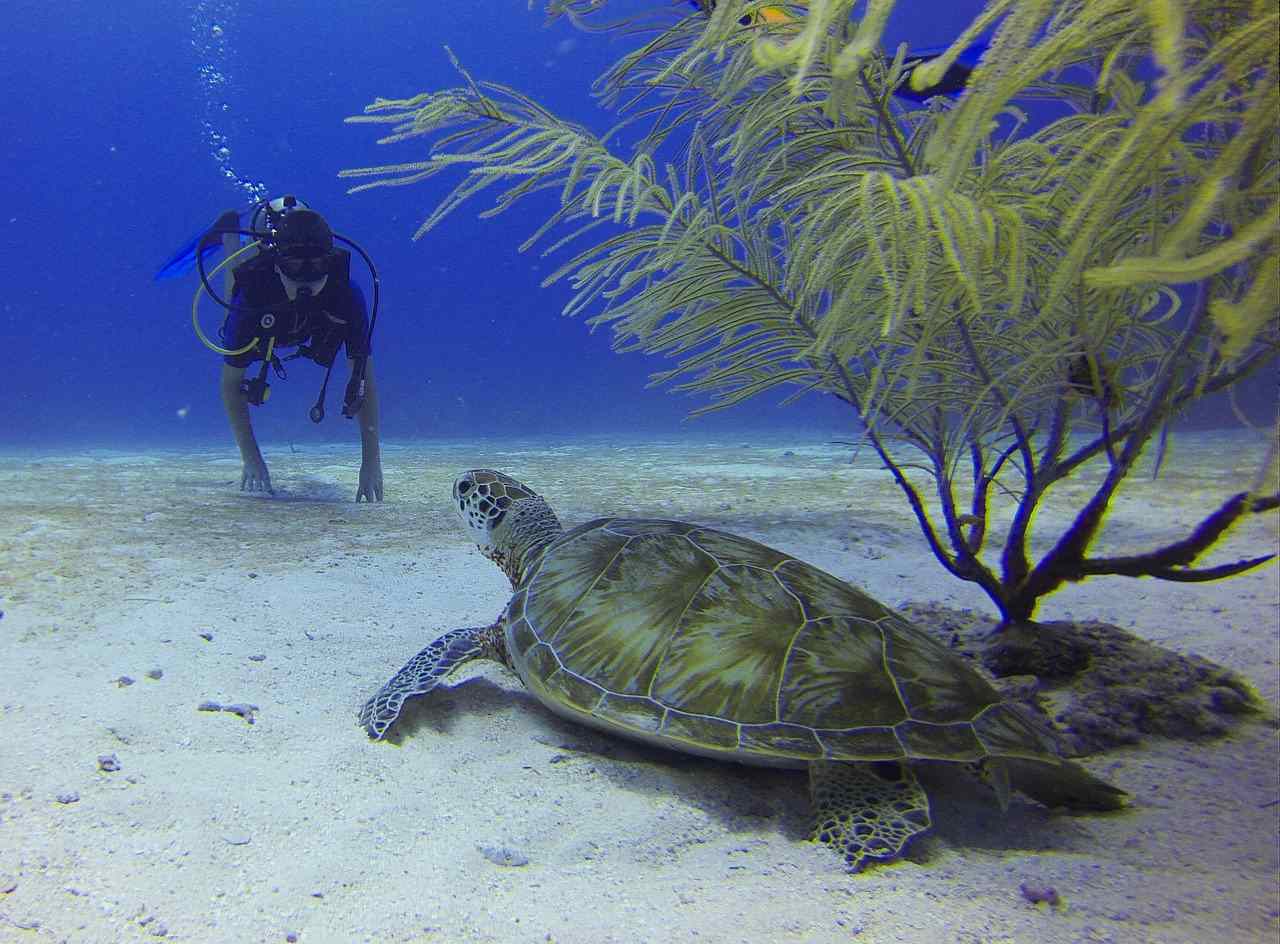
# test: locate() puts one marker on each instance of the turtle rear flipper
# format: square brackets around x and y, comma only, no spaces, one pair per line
[424,672]
[1064,784]
[863,815]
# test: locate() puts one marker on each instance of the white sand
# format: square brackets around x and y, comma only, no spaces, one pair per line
[217,830]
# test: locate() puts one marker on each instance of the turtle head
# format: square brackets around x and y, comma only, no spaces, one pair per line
[509,521]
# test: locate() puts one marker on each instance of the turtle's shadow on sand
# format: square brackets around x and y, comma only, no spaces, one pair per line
[751,800]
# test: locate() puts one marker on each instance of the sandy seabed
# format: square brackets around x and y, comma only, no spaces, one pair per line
[152,565]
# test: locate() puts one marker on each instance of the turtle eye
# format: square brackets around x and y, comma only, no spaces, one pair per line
[463,487]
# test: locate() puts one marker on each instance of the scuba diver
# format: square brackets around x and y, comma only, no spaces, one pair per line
[293,291]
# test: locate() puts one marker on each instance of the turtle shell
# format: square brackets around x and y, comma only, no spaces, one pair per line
[713,644]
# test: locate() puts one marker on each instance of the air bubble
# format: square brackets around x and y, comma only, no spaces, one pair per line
[217,64]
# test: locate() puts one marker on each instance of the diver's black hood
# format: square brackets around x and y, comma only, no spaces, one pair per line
[303,233]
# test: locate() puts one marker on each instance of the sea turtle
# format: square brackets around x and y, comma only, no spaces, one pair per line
[709,643]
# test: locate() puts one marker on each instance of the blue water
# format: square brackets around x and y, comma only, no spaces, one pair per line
[112,156]
[108,168]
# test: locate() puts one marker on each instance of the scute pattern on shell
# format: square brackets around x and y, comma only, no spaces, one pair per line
[685,634]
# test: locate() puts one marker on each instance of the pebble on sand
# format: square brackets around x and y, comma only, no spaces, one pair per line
[501,855]
[1041,894]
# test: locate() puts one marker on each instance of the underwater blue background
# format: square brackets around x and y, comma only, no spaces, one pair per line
[109,168]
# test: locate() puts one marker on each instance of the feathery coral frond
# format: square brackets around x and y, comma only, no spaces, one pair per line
[976,284]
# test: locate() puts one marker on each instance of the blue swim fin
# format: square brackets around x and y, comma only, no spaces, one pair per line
[184,260]
[203,245]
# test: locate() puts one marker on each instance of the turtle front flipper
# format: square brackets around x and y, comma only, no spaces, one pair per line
[425,671]
[864,815]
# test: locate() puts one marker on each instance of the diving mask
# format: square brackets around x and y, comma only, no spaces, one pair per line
[303,268]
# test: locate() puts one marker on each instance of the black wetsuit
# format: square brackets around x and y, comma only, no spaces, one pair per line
[319,325]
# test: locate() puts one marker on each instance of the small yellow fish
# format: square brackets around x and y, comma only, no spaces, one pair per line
[951,85]
[769,16]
